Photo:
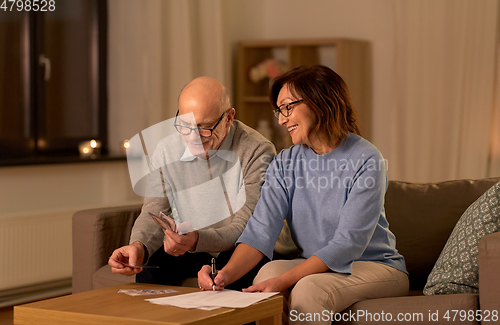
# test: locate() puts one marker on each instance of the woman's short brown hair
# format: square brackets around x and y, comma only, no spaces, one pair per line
[327,96]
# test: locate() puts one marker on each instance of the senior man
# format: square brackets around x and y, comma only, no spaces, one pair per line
[212,138]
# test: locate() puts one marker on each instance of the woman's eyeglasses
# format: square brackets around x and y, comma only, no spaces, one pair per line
[285,109]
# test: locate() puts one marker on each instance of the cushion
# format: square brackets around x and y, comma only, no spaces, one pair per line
[412,207]
[457,268]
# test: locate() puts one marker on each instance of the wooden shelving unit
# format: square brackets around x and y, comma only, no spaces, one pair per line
[351,59]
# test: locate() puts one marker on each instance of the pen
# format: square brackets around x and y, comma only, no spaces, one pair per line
[213,273]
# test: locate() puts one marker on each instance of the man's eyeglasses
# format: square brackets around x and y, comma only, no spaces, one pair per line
[285,109]
[202,132]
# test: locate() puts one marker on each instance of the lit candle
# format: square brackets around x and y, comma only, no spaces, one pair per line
[85,149]
[125,146]
[89,149]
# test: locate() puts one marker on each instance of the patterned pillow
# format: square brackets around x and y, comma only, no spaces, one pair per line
[457,268]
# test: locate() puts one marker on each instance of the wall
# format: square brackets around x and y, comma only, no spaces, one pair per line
[37,189]
[135,68]
[242,20]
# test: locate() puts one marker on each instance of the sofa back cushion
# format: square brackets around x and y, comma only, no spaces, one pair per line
[422,217]
[457,268]
[96,234]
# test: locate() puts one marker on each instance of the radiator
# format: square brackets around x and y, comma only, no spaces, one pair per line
[35,256]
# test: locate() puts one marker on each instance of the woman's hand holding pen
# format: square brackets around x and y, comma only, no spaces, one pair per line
[244,258]
[205,279]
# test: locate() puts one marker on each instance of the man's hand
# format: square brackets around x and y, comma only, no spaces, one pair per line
[177,245]
[205,279]
[131,254]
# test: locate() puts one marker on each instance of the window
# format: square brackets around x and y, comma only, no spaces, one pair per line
[52,80]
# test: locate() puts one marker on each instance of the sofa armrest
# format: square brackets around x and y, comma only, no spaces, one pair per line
[489,266]
[96,234]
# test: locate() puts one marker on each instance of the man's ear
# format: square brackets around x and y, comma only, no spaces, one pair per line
[230,115]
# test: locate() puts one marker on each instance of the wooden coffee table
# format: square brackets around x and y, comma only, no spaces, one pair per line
[107,306]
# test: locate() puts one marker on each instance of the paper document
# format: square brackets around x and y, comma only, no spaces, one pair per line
[224,298]
[187,306]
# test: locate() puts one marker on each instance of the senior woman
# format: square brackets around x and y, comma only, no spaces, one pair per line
[330,186]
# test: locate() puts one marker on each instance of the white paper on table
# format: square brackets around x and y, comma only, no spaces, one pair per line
[224,298]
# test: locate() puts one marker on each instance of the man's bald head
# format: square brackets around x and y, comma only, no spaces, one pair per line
[204,102]
[204,95]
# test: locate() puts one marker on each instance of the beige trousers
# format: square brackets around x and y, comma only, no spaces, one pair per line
[316,297]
